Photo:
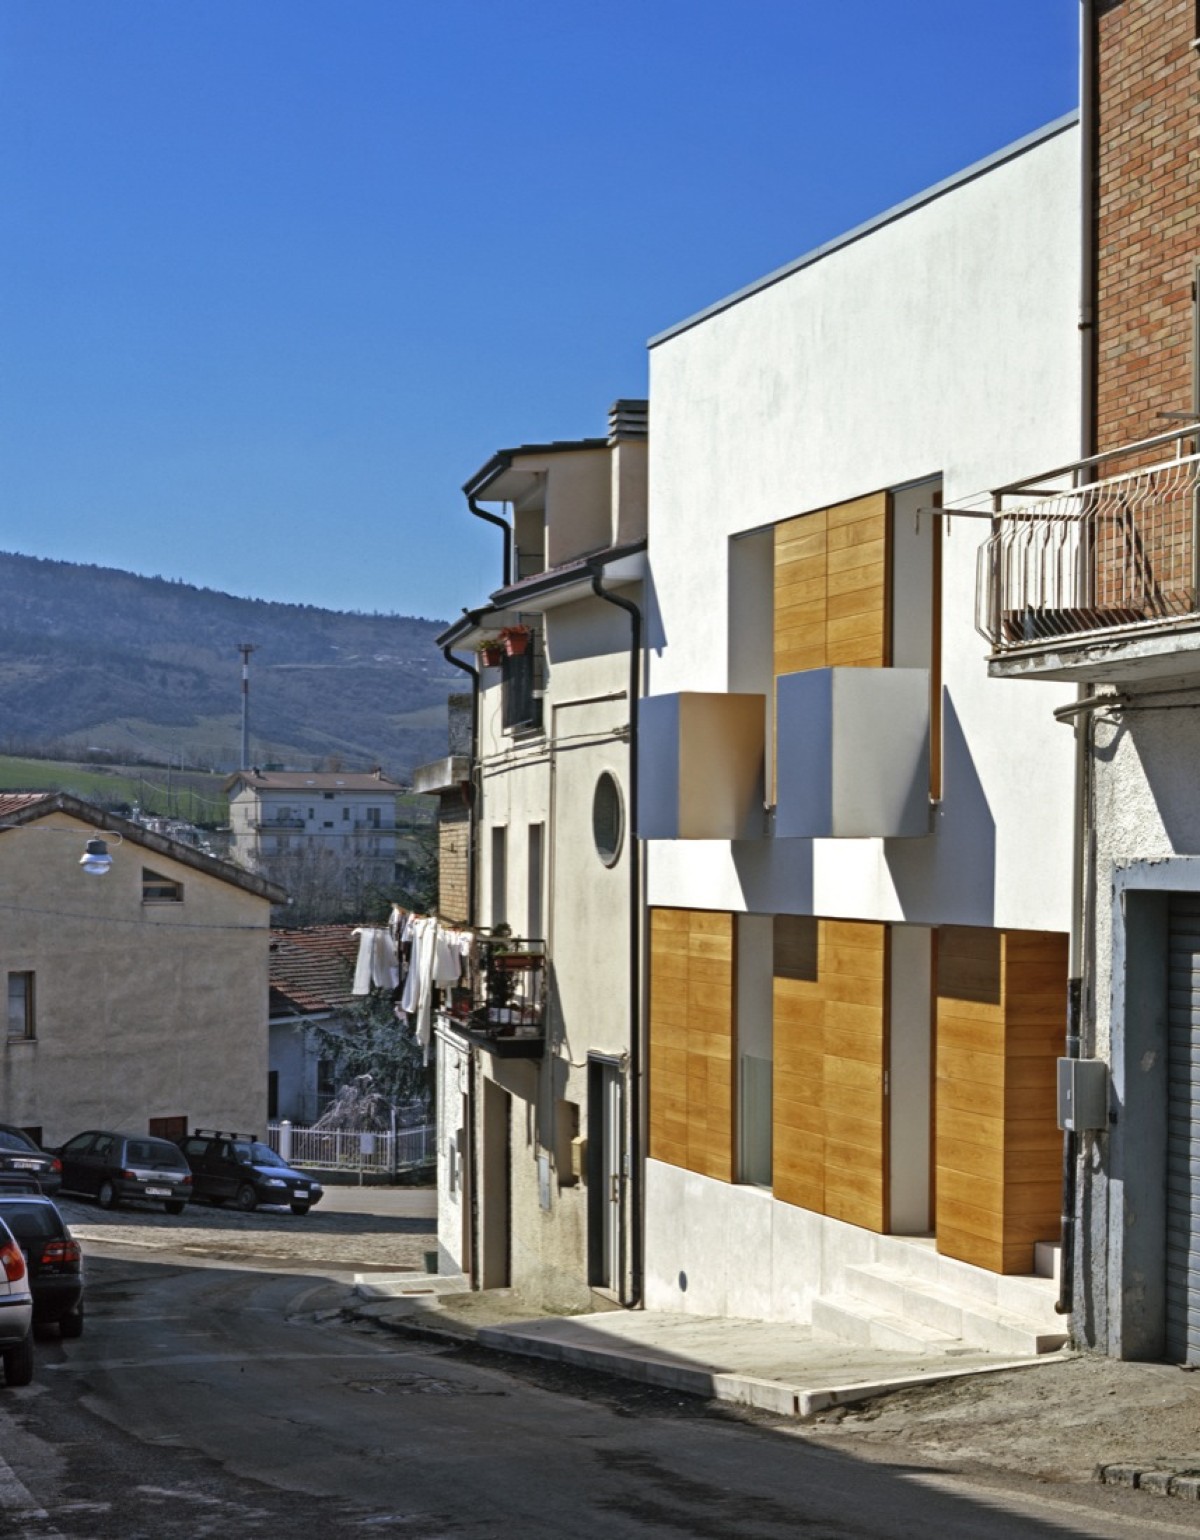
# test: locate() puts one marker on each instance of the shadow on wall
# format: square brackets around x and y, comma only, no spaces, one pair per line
[958,876]
[775,876]
[1166,744]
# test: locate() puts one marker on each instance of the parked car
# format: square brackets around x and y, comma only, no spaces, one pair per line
[16,1311]
[113,1167]
[53,1259]
[241,1169]
[21,1156]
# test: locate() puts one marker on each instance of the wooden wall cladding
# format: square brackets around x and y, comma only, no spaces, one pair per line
[1001,1006]
[832,585]
[691,1040]
[830,1112]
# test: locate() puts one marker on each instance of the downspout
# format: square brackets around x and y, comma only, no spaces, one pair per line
[473,1259]
[1081,810]
[636,1186]
[494,518]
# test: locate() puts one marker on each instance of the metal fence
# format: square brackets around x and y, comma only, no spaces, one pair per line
[379,1154]
[1111,555]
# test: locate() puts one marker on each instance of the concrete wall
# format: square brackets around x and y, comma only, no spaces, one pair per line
[143,1010]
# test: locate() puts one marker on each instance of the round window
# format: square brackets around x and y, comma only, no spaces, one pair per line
[608,819]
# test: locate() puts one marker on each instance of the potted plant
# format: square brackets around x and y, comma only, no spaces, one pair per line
[491,652]
[515,640]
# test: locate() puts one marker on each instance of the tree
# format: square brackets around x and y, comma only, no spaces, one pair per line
[377,1061]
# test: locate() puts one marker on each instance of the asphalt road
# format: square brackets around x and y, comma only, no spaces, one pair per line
[207,1399]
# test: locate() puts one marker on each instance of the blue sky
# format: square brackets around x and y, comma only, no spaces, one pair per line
[277,275]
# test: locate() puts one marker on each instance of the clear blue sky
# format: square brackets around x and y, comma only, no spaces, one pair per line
[277,275]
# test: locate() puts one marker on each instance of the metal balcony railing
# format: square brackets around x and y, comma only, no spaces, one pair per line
[1116,555]
[503,1007]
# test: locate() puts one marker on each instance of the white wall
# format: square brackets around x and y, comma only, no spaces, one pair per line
[942,343]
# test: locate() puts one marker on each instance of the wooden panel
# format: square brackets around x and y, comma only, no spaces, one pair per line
[1000,1013]
[829,1113]
[691,1040]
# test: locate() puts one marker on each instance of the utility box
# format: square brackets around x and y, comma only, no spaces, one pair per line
[1082,1095]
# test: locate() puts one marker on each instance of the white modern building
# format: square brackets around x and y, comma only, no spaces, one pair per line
[857,843]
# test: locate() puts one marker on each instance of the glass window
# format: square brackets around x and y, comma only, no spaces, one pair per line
[20,1005]
[157,889]
[608,819]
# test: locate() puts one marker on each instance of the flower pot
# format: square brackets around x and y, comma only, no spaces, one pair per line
[516,640]
[492,655]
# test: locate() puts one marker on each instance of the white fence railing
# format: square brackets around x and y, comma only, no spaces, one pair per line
[1110,555]
[326,1149]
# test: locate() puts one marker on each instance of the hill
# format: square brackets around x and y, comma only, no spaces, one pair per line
[96,659]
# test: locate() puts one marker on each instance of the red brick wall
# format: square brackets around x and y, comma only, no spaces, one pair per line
[1149,214]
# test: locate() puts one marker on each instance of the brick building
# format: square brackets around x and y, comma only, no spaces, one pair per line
[1096,585]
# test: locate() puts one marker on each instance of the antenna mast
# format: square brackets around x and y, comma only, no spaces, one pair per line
[246,648]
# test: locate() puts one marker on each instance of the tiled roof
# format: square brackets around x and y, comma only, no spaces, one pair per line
[312,969]
[314,781]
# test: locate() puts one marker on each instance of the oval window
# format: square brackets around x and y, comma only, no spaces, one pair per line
[608,819]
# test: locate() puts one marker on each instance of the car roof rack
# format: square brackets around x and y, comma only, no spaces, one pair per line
[218,1133]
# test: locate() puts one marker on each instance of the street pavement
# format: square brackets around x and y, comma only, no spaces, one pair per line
[352,1229]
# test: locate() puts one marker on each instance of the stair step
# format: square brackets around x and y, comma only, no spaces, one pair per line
[855,1321]
[921,1306]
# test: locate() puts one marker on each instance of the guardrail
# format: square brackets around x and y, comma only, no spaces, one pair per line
[379,1154]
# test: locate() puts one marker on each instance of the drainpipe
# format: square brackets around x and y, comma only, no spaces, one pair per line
[1081,810]
[473,1246]
[471,814]
[634,1300]
[494,518]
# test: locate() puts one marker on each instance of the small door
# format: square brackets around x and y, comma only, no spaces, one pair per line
[605,1180]
[1183,1131]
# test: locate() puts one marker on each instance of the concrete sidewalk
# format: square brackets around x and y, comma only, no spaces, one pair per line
[777,1367]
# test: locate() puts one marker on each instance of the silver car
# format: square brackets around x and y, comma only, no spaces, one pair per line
[16,1311]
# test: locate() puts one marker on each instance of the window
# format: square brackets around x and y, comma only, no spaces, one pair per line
[373,817]
[345,815]
[157,889]
[328,795]
[21,1022]
[272,1094]
[499,875]
[326,1082]
[533,919]
[522,708]
[608,819]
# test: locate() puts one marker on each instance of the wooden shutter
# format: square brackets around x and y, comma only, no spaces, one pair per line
[830,1110]
[832,586]
[691,1040]
[1001,1004]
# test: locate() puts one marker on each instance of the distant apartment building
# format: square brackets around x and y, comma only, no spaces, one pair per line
[327,831]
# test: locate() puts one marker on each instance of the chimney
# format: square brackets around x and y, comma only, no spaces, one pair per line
[628,419]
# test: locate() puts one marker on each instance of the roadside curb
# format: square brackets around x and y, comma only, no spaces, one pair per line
[1182,1481]
[778,1397]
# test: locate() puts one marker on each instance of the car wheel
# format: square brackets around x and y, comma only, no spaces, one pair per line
[175,1206]
[18,1362]
[72,1325]
[301,1208]
[247,1198]
[107,1196]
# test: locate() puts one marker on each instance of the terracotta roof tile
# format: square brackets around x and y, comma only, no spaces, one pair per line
[312,969]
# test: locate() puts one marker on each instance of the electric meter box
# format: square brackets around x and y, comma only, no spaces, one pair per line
[1082,1095]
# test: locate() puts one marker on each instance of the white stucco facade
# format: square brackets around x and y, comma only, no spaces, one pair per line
[933,352]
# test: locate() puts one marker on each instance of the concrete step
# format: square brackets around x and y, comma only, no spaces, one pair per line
[847,1319]
[939,1314]
[1047,1260]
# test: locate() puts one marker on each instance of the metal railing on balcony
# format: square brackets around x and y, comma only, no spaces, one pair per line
[265,825]
[502,1005]
[1115,555]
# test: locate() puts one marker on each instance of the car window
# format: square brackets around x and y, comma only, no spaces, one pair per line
[30,1221]
[14,1141]
[241,1153]
[195,1146]
[153,1152]
[104,1143]
[77,1145]
[264,1155]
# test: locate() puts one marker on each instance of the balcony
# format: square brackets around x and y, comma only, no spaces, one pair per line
[1097,581]
[270,825]
[852,754]
[503,1011]
[700,766]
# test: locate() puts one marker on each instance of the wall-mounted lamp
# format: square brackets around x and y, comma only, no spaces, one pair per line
[95,859]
